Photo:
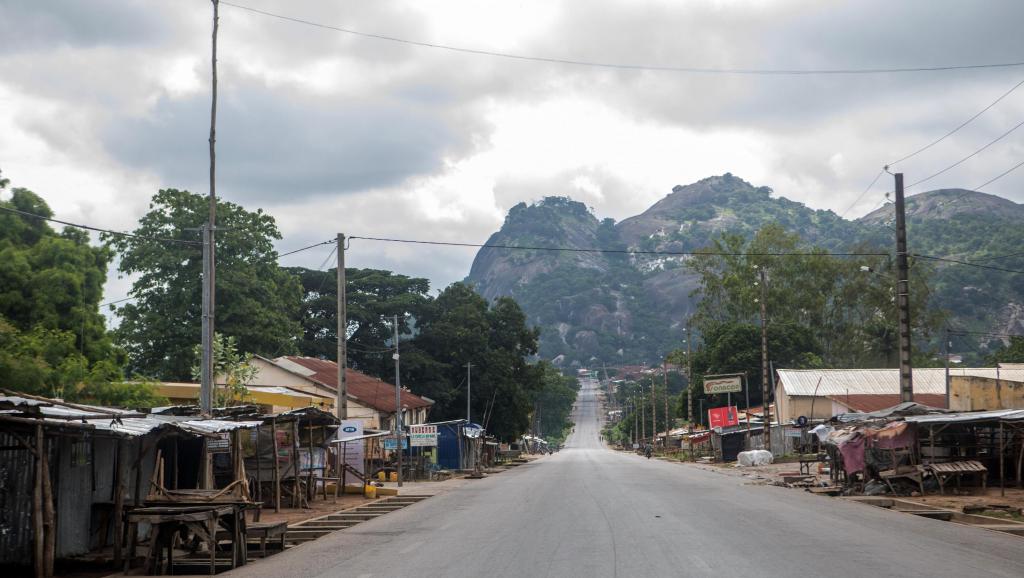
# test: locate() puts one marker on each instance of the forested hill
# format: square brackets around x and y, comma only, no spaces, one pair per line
[616,306]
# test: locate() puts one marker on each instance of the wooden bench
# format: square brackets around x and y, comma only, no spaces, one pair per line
[264,532]
[943,472]
[912,473]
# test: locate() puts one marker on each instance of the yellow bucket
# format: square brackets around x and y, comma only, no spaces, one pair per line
[370,491]
[382,476]
[394,476]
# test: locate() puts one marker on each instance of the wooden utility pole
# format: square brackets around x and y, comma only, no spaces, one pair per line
[764,360]
[469,392]
[643,415]
[398,407]
[654,413]
[903,294]
[689,376]
[342,401]
[209,264]
[636,421]
[664,373]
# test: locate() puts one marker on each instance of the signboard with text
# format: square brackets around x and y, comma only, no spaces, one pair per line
[422,436]
[391,443]
[723,416]
[353,451]
[723,385]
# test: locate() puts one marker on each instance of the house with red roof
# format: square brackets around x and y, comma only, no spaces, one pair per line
[369,398]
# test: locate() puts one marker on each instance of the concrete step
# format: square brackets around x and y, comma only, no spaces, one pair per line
[356,516]
[311,533]
[332,524]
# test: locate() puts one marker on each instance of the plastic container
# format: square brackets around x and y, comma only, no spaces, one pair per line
[370,491]
[393,476]
[382,476]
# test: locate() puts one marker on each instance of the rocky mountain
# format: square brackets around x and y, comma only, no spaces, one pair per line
[630,306]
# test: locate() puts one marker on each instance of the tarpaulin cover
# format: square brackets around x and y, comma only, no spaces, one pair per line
[894,435]
[852,450]
[754,458]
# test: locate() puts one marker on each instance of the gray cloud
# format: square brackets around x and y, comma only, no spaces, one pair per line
[275,144]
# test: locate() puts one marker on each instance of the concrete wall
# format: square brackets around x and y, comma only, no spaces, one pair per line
[969,393]
[794,406]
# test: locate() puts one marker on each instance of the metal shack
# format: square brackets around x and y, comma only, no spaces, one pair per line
[69,471]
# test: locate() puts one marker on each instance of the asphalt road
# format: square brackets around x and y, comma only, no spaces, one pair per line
[592,512]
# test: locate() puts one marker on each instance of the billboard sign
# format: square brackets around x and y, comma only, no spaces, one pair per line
[353,450]
[391,443]
[723,416]
[422,436]
[723,385]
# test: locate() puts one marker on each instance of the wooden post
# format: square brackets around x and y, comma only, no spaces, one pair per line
[1020,458]
[1002,470]
[310,487]
[138,474]
[296,499]
[343,466]
[38,564]
[118,505]
[277,468]
[259,474]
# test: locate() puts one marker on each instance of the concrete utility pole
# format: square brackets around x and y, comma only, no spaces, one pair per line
[398,406]
[643,415]
[689,375]
[945,357]
[664,372]
[903,294]
[636,420]
[342,401]
[469,391]
[654,414]
[209,265]
[764,360]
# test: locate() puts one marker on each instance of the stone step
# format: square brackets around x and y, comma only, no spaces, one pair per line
[300,532]
[333,524]
[357,516]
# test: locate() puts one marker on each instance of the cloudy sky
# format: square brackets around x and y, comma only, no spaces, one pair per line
[104,102]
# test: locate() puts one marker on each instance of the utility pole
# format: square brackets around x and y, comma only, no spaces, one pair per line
[209,265]
[945,356]
[643,416]
[664,372]
[689,376]
[469,391]
[654,413]
[903,294]
[398,406]
[342,401]
[636,420]
[764,360]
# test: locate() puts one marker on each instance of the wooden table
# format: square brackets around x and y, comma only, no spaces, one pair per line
[167,521]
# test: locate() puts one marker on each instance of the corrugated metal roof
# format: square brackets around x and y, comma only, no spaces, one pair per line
[839,382]
[866,402]
[216,425]
[968,417]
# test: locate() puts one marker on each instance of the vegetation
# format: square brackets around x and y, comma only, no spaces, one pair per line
[257,301]
[232,371]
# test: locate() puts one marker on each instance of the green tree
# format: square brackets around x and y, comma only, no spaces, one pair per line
[232,371]
[1012,353]
[459,327]
[256,301]
[373,297]
[847,304]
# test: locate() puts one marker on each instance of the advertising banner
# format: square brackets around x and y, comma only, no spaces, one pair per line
[723,416]
[353,451]
[723,385]
[422,435]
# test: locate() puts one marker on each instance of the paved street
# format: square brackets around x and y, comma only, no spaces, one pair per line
[588,511]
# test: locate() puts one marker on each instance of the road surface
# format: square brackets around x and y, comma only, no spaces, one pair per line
[591,512]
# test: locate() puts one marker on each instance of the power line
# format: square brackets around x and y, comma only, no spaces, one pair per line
[975,153]
[623,251]
[624,66]
[960,126]
[97,229]
[968,263]
[327,242]
[861,196]
[991,333]
[117,301]
[975,190]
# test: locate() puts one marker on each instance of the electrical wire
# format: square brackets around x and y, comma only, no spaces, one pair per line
[624,66]
[121,300]
[861,196]
[968,263]
[97,229]
[973,154]
[327,242]
[960,126]
[622,251]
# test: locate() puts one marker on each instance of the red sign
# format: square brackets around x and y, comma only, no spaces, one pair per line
[723,416]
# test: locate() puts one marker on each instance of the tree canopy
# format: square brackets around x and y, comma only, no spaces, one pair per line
[256,301]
